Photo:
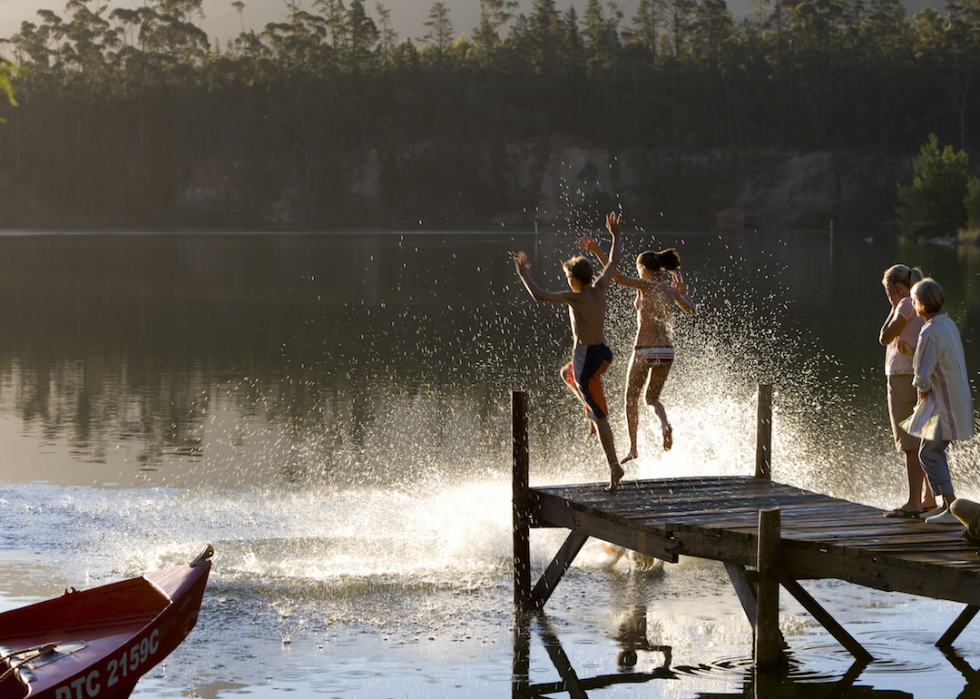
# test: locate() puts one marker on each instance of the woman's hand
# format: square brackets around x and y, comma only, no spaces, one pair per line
[893,293]
[521,263]
[677,281]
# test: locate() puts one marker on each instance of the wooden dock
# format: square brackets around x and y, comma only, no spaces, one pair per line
[767,534]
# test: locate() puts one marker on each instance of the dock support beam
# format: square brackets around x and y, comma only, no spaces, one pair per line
[821,615]
[521,503]
[953,632]
[553,574]
[763,438]
[744,589]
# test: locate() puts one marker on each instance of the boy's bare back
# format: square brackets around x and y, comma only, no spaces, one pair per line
[587,313]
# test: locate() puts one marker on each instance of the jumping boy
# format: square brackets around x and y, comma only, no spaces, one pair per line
[590,355]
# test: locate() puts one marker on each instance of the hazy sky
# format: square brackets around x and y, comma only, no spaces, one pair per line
[223,22]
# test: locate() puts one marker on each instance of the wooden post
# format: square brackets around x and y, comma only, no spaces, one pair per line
[521,503]
[767,639]
[744,582]
[763,439]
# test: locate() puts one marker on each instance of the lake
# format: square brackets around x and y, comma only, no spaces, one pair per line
[332,413]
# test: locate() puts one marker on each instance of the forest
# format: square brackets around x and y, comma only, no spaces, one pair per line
[137,118]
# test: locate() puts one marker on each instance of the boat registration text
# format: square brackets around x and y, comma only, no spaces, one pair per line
[116,669]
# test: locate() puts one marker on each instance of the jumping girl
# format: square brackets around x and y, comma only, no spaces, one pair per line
[656,295]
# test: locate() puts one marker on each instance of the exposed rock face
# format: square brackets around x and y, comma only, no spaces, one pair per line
[772,190]
[568,186]
[809,189]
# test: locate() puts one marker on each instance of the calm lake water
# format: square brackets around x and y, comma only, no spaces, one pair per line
[332,413]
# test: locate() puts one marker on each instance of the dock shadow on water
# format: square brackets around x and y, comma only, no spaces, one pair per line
[332,413]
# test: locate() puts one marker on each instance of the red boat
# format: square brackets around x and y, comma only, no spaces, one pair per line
[99,642]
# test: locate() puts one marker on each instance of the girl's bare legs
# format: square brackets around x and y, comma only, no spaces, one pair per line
[917,478]
[639,370]
[658,377]
[635,378]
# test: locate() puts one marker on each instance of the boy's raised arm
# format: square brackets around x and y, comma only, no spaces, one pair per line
[537,293]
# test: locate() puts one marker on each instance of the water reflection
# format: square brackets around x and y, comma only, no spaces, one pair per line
[283,352]
[789,679]
[971,676]
[632,637]
[570,681]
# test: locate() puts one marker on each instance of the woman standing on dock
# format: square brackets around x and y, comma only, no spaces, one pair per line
[944,412]
[899,334]
[653,355]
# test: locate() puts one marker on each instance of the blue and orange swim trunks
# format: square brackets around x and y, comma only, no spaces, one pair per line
[584,375]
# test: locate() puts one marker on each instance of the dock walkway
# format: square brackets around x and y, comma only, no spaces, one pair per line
[767,534]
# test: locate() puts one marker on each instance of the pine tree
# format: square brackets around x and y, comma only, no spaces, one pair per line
[933,205]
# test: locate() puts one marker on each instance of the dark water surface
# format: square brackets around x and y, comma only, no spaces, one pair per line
[332,413]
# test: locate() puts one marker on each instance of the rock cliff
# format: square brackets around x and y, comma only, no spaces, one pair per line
[567,185]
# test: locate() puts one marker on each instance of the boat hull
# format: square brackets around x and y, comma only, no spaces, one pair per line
[99,642]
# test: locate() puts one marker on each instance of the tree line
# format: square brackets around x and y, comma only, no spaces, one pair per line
[330,118]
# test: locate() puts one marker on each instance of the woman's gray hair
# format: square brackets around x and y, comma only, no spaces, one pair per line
[929,295]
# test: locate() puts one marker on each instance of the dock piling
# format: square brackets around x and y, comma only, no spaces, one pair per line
[521,502]
[767,636]
[763,439]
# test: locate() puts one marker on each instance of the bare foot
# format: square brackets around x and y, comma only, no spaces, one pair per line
[591,429]
[616,474]
[668,437]
[629,457]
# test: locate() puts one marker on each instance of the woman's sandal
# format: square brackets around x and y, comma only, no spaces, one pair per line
[902,514]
